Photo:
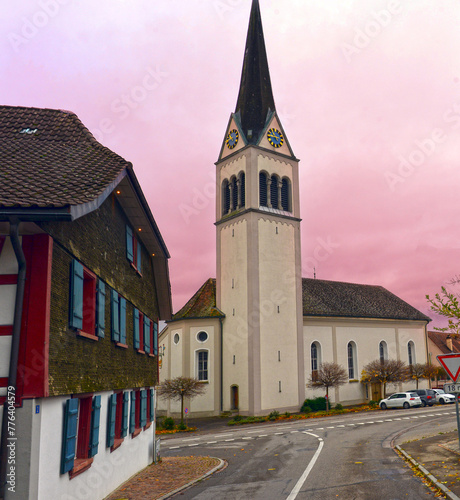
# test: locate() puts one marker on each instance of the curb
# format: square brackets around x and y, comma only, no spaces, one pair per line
[221,465]
[446,491]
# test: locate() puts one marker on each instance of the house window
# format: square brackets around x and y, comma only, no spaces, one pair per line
[202,365]
[202,337]
[118,315]
[137,411]
[411,352]
[83,301]
[383,351]
[176,338]
[138,333]
[351,352]
[150,407]
[315,360]
[133,249]
[81,434]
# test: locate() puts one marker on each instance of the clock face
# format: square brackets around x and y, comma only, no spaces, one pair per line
[232,139]
[275,137]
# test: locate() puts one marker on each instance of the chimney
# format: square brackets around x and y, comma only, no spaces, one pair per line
[449,343]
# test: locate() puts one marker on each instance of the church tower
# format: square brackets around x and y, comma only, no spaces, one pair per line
[259,284]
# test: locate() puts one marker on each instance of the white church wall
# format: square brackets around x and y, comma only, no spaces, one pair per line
[205,402]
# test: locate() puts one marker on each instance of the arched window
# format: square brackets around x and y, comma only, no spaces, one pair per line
[234,194]
[225,197]
[202,358]
[286,195]
[263,189]
[411,353]
[383,351]
[274,191]
[315,360]
[242,194]
[351,354]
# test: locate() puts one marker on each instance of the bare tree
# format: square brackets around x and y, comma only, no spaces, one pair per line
[328,375]
[384,372]
[420,370]
[179,388]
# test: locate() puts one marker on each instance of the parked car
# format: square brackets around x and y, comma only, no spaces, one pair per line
[428,396]
[443,397]
[401,400]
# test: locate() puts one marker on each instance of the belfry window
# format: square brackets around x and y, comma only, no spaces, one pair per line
[263,201]
[274,191]
[225,197]
[286,195]
[234,193]
[242,190]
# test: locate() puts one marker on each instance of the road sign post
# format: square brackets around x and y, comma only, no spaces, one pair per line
[451,363]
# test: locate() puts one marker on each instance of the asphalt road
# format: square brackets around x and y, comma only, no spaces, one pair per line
[345,457]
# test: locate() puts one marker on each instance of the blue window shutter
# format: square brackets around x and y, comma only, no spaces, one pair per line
[95,421]
[76,296]
[143,407]
[146,335]
[129,244]
[69,437]
[138,262]
[152,405]
[136,329]
[155,338]
[100,330]
[111,416]
[125,414]
[122,320]
[132,413]
[115,301]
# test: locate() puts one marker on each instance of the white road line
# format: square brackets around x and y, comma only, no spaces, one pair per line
[388,420]
[279,433]
[330,427]
[253,432]
[320,428]
[307,471]
[194,444]
[190,439]
[229,440]
[406,418]
[173,447]
[248,438]
[222,435]
[360,423]
[293,432]
[212,442]
[369,422]
[262,435]
[414,417]
[351,425]
[340,426]
[379,421]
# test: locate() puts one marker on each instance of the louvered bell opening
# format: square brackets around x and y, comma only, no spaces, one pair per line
[274,191]
[286,195]
[262,189]
[234,194]
[243,189]
[225,198]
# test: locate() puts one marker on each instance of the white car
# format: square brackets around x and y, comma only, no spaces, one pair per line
[443,397]
[401,400]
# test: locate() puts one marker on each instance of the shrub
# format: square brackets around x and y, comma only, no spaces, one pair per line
[305,409]
[168,423]
[237,418]
[287,414]
[181,426]
[338,406]
[317,404]
[373,404]
[273,415]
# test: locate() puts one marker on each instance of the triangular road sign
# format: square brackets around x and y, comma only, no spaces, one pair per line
[451,363]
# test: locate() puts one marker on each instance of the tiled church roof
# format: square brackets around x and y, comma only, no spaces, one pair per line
[337,299]
[202,304]
[50,159]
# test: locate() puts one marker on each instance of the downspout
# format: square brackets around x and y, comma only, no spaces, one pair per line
[221,365]
[14,355]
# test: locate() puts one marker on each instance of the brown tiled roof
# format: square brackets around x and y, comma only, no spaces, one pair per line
[439,340]
[50,159]
[337,299]
[202,304]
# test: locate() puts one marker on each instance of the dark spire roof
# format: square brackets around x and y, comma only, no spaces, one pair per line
[255,97]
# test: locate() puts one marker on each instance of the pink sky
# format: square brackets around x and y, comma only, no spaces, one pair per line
[368,93]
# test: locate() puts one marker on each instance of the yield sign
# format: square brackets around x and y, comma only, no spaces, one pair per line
[451,363]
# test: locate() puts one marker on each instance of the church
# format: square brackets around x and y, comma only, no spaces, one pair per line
[258,332]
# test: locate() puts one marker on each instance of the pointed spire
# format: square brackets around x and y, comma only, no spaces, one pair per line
[255,97]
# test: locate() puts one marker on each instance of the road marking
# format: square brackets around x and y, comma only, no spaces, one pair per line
[248,438]
[212,442]
[293,432]
[360,423]
[351,425]
[194,444]
[222,435]
[190,439]
[320,429]
[414,417]
[173,447]
[340,426]
[379,421]
[251,432]
[307,471]
[406,418]
[279,433]
[262,435]
[330,427]
[368,422]
[397,419]
[227,440]
[388,420]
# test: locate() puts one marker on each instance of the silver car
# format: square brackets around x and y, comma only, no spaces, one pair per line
[401,400]
[443,398]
